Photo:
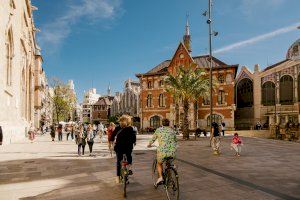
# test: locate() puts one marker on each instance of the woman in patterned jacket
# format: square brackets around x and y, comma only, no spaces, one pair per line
[167,141]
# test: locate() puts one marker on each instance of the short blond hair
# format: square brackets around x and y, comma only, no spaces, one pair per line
[112,124]
[125,121]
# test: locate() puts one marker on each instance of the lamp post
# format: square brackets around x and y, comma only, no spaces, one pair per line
[211,33]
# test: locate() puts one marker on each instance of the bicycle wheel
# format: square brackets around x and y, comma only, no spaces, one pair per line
[154,172]
[172,184]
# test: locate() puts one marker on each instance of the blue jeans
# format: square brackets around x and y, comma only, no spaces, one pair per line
[119,156]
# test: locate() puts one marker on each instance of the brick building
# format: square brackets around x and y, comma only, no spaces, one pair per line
[101,110]
[156,103]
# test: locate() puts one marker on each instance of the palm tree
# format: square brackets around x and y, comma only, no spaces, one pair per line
[187,85]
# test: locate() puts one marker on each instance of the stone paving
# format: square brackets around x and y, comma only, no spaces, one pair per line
[267,169]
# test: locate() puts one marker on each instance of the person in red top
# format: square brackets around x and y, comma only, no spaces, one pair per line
[110,131]
[236,144]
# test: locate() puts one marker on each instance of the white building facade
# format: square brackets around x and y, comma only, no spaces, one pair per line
[90,98]
[17,68]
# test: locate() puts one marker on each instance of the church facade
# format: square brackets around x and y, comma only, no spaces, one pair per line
[269,96]
[156,103]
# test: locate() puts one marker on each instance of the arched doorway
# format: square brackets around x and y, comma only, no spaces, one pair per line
[155,122]
[245,93]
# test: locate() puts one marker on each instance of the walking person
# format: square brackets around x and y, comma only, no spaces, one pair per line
[100,131]
[1,135]
[31,133]
[223,128]
[59,132]
[52,132]
[81,141]
[90,138]
[124,138]
[72,132]
[216,142]
[68,131]
[110,131]
[236,144]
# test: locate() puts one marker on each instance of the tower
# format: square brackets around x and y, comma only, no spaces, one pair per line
[187,36]
[108,90]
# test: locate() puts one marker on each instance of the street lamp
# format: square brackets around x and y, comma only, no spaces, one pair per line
[211,33]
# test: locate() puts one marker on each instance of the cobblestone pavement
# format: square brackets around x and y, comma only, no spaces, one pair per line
[267,169]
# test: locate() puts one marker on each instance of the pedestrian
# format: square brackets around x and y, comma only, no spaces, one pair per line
[72,132]
[90,138]
[124,138]
[31,133]
[81,140]
[59,132]
[110,131]
[1,135]
[95,129]
[223,128]
[100,131]
[67,131]
[216,142]
[236,144]
[52,132]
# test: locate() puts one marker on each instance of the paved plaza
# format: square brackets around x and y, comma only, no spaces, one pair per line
[267,169]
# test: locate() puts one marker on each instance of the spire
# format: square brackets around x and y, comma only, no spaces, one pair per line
[187,36]
[109,90]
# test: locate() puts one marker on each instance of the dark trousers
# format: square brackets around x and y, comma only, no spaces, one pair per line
[59,136]
[91,146]
[68,134]
[72,135]
[223,132]
[119,156]
[79,149]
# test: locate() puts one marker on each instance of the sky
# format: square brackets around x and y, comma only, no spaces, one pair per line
[102,42]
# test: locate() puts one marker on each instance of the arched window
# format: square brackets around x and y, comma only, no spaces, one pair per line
[268,93]
[149,100]
[9,56]
[155,121]
[215,118]
[150,85]
[161,100]
[286,90]
[245,93]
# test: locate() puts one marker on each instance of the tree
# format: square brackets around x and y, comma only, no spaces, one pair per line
[186,86]
[64,100]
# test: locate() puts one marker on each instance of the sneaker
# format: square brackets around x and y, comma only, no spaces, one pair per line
[130,172]
[159,181]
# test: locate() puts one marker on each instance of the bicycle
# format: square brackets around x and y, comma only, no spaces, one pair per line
[124,174]
[170,177]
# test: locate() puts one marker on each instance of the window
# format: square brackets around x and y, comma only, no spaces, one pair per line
[221,78]
[221,97]
[215,118]
[161,100]
[206,100]
[149,100]
[155,122]
[268,93]
[245,93]
[228,78]
[150,85]
[161,83]
[286,90]
[9,56]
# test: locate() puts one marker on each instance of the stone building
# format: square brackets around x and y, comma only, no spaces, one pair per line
[17,68]
[90,98]
[271,95]
[127,102]
[156,103]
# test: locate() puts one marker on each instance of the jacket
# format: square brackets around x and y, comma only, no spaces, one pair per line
[125,139]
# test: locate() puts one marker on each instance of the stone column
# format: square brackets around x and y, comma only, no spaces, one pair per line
[296,84]
[257,94]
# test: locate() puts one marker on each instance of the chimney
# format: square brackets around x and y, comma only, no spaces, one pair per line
[256,68]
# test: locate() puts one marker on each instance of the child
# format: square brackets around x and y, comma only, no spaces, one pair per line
[236,144]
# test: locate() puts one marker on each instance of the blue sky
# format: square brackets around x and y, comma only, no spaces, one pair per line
[97,42]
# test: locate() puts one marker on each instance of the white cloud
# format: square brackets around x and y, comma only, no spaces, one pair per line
[258,38]
[55,32]
[248,7]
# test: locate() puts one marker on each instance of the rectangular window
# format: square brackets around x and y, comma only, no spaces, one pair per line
[221,97]
[206,100]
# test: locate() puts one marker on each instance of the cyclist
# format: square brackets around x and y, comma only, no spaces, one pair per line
[167,140]
[125,138]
